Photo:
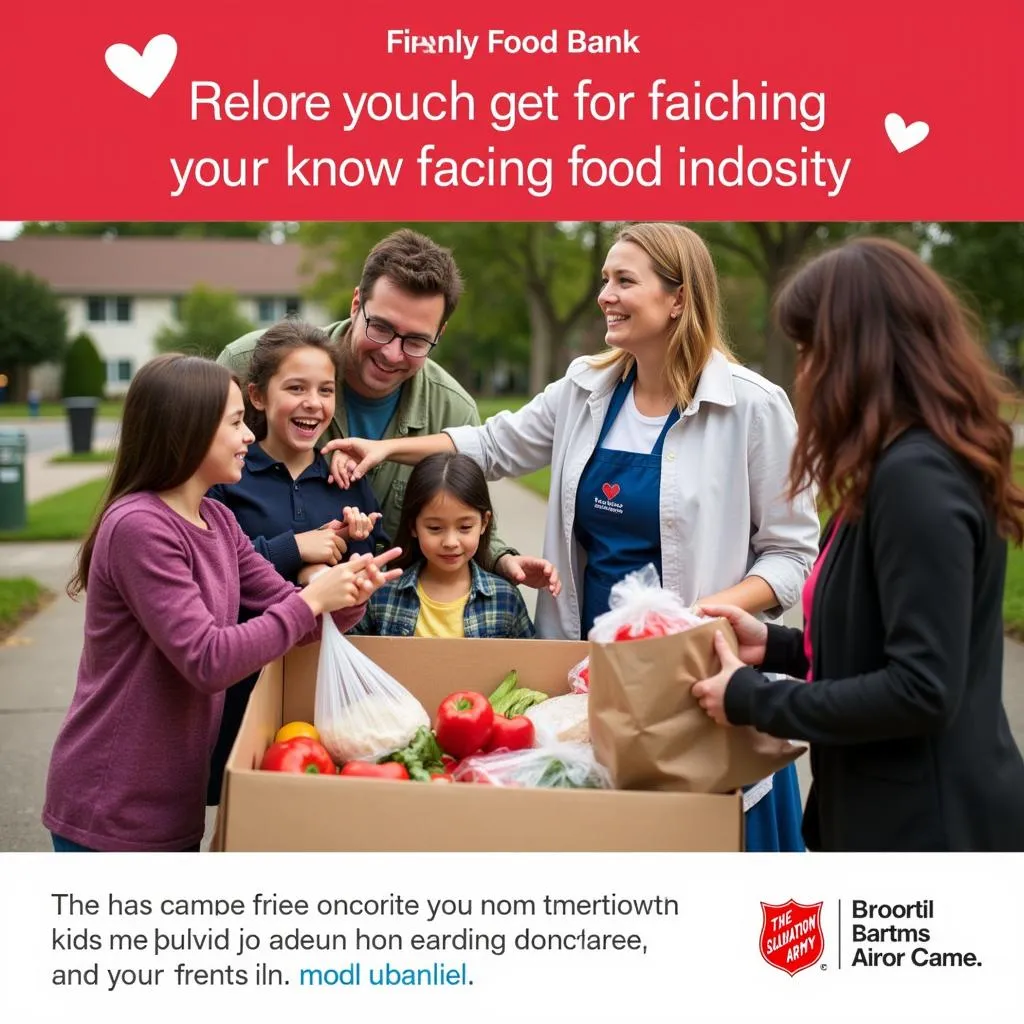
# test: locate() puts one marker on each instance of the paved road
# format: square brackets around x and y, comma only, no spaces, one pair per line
[51,435]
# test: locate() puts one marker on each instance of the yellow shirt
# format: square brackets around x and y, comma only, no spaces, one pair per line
[439,618]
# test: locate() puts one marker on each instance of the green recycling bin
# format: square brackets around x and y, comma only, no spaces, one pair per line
[13,446]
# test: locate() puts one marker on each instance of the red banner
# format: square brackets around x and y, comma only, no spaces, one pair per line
[795,110]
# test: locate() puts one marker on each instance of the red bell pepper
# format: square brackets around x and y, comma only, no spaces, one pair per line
[654,625]
[510,734]
[368,770]
[301,754]
[464,723]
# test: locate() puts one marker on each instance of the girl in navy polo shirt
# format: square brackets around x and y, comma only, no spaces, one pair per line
[283,501]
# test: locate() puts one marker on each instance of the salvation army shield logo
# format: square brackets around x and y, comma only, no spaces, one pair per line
[791,937]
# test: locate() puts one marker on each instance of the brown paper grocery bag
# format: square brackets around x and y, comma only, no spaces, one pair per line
[650,733]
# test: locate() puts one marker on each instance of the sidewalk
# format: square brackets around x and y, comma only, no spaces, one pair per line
[43,478]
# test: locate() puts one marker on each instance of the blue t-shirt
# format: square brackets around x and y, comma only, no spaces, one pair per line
[369,417]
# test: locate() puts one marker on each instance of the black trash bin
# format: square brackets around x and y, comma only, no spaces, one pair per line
[81,421]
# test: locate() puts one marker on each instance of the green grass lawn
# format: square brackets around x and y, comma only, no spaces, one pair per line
[64,516]
[19,410]
[20,597]
[98,455]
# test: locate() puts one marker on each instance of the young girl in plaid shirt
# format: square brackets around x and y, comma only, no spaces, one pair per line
[447,588]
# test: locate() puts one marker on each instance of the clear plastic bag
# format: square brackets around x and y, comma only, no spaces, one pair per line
[556,766]
[579,676]
[361,712]
[560,720]
[639,607]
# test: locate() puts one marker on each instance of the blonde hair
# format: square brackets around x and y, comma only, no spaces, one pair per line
[680,259]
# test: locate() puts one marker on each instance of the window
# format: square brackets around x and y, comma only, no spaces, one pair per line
[109,309]
[271,308]
[119,371]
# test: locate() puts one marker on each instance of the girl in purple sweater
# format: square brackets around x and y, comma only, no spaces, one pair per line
[166,570]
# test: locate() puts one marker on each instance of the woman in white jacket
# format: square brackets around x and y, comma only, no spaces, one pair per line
[664,450]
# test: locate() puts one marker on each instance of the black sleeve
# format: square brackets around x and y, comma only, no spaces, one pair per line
[784,652]
[924,521]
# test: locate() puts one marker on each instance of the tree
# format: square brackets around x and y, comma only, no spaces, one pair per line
[985,264]
[530,288]
[562,272]
[209,321]
[84,371]
[33,327]
[772,251]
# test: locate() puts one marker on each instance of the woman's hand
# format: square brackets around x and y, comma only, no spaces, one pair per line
[352,458]
[349,583]
[751,633]
[322,547]
[710,692]
[529,571]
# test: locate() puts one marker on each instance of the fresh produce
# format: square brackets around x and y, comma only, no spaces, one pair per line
[372,726]
[464,722]
[653,625]
[422,758]
[562,719]
[293,729]
[510,734]
[510,699]
[301,754]
[368,770]
[561,766]
[560,774]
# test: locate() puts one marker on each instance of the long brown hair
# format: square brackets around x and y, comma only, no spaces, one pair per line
[883,345]
[444,472]
[174,405]
[680,258]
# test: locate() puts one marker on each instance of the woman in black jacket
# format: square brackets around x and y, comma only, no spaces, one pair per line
[898,684]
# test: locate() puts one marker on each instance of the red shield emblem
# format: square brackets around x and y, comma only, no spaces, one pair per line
[791,937]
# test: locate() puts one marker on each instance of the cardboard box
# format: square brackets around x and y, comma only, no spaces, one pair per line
[274,811]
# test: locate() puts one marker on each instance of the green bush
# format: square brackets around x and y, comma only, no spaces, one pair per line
[84,372]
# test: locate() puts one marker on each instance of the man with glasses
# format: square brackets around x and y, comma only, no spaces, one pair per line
[389,387]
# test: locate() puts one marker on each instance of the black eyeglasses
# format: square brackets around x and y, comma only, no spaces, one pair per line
[380,332]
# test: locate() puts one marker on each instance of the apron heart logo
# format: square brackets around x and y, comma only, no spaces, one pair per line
[610,490]
[144,72]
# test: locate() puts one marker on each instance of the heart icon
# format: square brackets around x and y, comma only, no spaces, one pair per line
[144,72]
[610,490]
[902,135]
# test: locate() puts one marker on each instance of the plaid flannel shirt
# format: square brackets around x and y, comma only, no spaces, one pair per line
[494,609]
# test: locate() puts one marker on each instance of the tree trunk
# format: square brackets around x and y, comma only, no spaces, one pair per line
[17,385]
[779,351]
[542,339]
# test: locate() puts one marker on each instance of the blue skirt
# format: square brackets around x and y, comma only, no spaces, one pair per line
[773,823]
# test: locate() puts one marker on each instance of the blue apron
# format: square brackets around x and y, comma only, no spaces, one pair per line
[618,516]
[618,525]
